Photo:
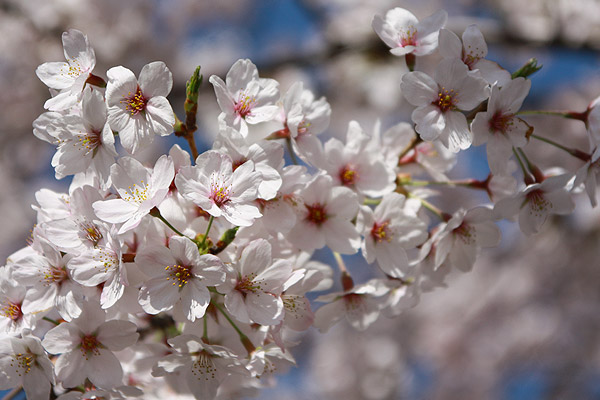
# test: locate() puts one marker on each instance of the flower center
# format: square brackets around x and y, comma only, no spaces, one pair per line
[137,193]
[23,362]
[500,122]
[446,99]
[89,142]
[316,214]
[55,275]
[537,203]
[219,193]
[243,107]
[11,311]
[204,367]
[247,284]
[408,37]
[107,258]
[90,232]
[135,103]
[348,175]
[381,232]
[466,233]
[90,345]
[181,274]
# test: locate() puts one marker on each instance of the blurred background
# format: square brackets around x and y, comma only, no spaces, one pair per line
[525,324]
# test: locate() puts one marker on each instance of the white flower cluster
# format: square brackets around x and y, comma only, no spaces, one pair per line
[194,274]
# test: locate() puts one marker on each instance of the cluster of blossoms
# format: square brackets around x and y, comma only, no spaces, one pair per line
[191,275]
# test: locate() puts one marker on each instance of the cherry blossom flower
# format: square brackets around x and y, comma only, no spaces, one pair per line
[323,217]
[253,288]
[355,166]
[68,77]
[389,231]
[24,362]
[12,318]
[179,277]
[85,143]
[537,202]
[217,189]
[267,157]
[463,235]
[139,190]
[358,305]
[403,32]
[203,366]
[472,52]
[440,101]
[86,347]
[588,176]
[499,127]
[245,98]
[138,109]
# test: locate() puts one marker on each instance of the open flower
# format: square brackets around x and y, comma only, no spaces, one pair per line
[439,102]
[179,278]
[68,77]
[139,190]
[139,109]
[245,98]
[213,186]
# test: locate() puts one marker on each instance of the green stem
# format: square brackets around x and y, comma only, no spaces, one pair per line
[466,183]
[574,152]
[210,222]
[288,142]
[526,174]
[156,213]
[564,114]
[243,338]
[51,320]
[339,261]
[205,329]
[439,213]
[373,202]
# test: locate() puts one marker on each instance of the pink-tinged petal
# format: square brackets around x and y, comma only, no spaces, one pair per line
[481,128]
[341,236]
[203,380]
[156,80]
[113,290]
[392,260]
[55,75]
[418,88]
[298,314]
[77,50]
[114,211]
[234,303]
[224,99]
[117,335]
[442,249]
[532,217]
[244,182]
[343,203]
[107,371]
[159,294]
[562,202]
[401,51]
[376,180]
[508,207]
[71,369]
[385,31]
[163,173]
[255,257]
[430,122]
[471,93]
[94,110]
[517,132]
[194,299]
[240,214]
[61,102]
[450,45]
[450,73]
[264,308]
[499,151]
[488,234]
[463,255]
[493,73]
[121,83]
[459,136]
[431,24]
[274,277]
[39,299]
[512,95]
[61,338]
[329,314]
[262,114]
[401,19]
[241,73]
[160,115]
[474,43]
[306,236]
[36,384]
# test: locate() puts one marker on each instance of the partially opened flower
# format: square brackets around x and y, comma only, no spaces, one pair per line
[403,32]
